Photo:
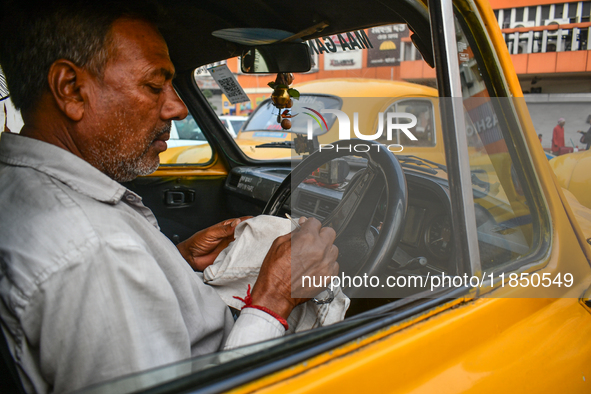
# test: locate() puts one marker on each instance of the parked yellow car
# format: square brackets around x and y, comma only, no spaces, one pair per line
[573,174]
[367,97]
[515,312]
[378,96]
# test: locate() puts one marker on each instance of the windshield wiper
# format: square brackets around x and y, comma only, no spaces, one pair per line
[420,164]
[300,144]
[283,144]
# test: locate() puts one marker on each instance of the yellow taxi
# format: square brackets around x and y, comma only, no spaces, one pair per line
[572,172]
[259,136]
[377,96]
[477,272]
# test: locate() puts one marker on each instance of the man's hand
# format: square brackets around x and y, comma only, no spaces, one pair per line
[203,247]
[307,251]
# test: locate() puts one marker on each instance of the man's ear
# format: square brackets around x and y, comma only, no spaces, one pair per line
[65,80]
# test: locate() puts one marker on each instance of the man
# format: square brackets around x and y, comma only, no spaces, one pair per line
[558,136]
[586,135]
[90,288]
[586,138]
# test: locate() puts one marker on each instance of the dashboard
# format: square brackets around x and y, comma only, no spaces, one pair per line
[427,240]
[427,232]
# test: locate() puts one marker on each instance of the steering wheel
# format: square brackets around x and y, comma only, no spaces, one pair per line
[351,219]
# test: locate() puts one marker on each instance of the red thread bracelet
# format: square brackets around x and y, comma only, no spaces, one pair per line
[248,304]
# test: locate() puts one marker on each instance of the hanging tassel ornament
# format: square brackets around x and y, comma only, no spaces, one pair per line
[282,98]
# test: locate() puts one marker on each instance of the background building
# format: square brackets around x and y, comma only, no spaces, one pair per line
[549,42]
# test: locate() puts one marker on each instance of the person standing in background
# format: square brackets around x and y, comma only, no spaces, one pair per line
[586,135]
[558,136]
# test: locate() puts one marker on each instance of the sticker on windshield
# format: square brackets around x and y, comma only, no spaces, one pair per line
[307,99]
[269,134]
[228,83]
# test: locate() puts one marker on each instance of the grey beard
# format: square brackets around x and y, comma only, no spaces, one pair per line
[121,167]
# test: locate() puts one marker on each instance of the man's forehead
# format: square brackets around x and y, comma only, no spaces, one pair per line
[139,40]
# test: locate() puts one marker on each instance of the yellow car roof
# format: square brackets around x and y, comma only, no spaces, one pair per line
[365,87]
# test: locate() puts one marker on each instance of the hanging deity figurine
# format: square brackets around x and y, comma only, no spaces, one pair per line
[282,98]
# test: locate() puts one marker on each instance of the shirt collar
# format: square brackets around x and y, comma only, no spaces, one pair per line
[60,164]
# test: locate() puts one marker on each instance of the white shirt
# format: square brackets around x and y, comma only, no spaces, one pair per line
[90,288]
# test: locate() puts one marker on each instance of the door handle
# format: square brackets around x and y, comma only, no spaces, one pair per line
[179,197]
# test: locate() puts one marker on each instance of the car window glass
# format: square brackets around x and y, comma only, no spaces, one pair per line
[237,124]
[508,229]
[143,381]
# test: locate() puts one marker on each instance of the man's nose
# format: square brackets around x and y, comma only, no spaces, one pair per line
[174,108]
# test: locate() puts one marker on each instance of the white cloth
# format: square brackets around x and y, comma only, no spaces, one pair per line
[238,265]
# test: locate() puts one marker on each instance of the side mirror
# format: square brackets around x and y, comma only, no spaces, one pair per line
[286,57]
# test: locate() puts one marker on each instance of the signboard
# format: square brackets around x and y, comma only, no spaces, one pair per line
[347,60]
[386,45]
[341,51]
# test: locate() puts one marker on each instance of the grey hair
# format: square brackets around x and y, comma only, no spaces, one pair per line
[35,34]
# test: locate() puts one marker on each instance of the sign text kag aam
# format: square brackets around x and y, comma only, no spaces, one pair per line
[349,41]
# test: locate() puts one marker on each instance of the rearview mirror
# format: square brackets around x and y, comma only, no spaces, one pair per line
[286,57]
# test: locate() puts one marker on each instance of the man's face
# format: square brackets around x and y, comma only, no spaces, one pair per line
[128,115]
[562,122]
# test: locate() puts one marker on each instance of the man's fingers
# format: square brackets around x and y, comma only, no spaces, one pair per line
[328,234]
[312,224]
[234,222]
[223,230]
[231,223]
[227,227]
[333,254]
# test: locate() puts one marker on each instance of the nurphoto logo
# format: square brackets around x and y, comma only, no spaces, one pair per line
[392,120]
